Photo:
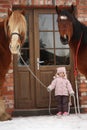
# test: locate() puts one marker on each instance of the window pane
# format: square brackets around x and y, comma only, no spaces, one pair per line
[58,43]
[46,39]
[45,22]
[47,56]
[62,57]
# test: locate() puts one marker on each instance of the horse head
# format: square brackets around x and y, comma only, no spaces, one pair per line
[65,25]
[15,29]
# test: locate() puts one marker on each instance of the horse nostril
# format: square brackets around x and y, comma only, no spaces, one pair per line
[65,37]
[18,46]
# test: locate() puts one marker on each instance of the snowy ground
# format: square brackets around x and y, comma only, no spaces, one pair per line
[71,122]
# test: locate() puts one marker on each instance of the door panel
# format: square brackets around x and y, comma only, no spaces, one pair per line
[24,91]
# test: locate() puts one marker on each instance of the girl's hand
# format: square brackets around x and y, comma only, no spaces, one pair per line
[72,94]
[48,89]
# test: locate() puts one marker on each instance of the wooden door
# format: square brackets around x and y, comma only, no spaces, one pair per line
[43,53]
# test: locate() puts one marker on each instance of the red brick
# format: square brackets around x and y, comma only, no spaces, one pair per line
[83,102]
[82,2]
[23,2]
[3,10]
[83,89]
[83,85]
[77,2]
[15,1]
[83,98]
[4,1]
[85,23]
[5,5]
[9,102]
[85,110]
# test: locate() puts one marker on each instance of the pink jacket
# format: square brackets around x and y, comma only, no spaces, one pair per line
[62,86]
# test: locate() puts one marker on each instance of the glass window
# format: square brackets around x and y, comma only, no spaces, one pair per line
[46,39]
[62,56]
[45,22]
[52,51]
[47,55]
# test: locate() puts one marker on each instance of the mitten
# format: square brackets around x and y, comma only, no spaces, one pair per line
[72,94]
[48,89]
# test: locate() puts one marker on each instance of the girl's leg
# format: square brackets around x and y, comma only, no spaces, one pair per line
[59,103]
[65,101]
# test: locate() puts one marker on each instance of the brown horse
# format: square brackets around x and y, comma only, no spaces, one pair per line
[12,36]
[74,33]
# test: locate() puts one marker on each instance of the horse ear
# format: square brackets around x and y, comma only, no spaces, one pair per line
[57,9]
[9,12]
[72,9]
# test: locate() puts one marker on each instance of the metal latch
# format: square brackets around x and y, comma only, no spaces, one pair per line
[38,63]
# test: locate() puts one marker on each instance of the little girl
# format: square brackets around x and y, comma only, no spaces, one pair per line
[62,88]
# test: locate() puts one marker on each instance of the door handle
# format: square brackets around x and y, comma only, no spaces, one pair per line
[38,63]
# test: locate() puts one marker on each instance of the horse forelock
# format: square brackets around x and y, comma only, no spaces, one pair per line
[17,21]
[67,14]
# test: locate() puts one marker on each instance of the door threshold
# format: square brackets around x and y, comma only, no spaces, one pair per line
[33,112]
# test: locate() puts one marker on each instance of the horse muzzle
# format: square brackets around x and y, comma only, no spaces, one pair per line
[64,40]
[14,49]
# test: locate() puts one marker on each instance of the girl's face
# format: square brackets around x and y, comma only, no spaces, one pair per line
[61,74]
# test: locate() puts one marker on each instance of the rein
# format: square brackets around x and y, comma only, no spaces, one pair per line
[75,57]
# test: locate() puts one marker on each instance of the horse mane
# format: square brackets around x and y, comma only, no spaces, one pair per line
[78,27]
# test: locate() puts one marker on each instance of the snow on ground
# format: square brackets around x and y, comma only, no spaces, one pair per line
[71,122]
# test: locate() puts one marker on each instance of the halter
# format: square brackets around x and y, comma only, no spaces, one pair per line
[15,33]
[75,57]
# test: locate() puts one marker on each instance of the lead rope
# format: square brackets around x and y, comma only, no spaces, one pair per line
[70,104]
[77,95]
[46,88]
[38,81]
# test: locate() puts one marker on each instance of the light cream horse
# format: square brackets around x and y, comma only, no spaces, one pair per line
[12,36]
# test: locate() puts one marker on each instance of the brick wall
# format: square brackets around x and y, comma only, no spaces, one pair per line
[8,92]
[82,16]
[7,89]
